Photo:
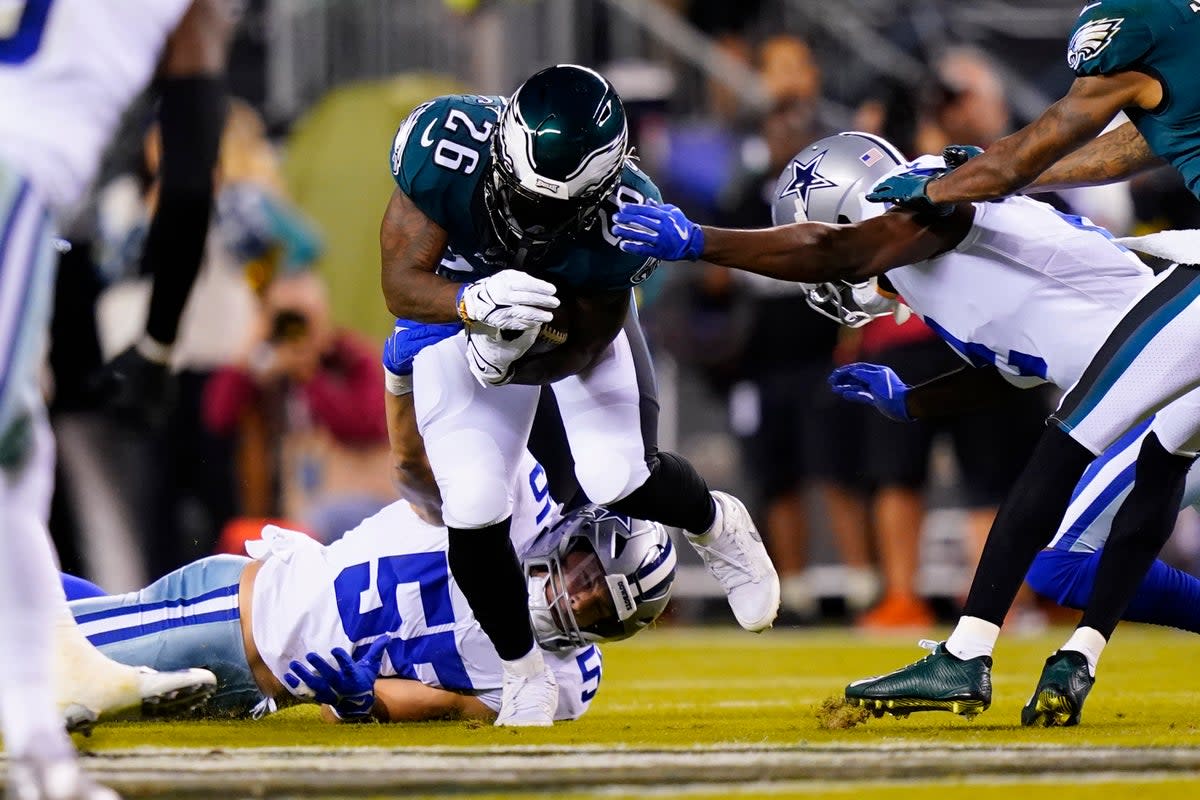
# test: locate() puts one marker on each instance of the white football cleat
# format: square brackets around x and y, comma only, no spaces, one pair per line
[139,693]
[734,554]
[530,694]
[52,779]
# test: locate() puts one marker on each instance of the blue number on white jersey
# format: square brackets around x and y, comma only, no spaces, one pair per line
[431,573]
[20,45]
[590,665]
[540,485]
[980,356]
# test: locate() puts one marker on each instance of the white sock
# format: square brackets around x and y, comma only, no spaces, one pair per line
[30,591]
[973,637]
[1088,641]
[529,665]
[703,538]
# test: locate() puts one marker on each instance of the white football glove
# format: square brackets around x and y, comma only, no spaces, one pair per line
[508,300]
[490,356]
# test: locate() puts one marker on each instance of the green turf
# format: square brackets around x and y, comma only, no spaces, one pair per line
[685,687]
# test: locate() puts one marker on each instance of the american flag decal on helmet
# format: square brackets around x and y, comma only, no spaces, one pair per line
[871,157]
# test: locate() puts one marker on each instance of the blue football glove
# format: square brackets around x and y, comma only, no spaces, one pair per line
[908,190]
[875,385]
[409,338]
[349,687]
[658,231]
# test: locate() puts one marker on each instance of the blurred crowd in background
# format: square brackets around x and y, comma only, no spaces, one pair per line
[278,407]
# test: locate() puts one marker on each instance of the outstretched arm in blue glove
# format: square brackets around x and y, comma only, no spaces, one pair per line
[659,231]
[809,252]
[349,687]
[875,385]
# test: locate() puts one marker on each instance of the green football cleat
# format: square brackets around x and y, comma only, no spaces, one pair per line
[938,682]
[1058,698]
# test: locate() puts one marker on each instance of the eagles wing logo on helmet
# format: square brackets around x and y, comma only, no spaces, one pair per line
[805,178]
[1091,38]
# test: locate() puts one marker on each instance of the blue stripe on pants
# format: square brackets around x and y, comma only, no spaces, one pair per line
[189,618]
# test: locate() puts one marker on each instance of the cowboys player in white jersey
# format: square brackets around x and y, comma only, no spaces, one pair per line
[68,69]
[374,625]
[1011,284]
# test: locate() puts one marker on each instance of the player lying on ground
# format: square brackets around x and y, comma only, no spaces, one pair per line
[375,626]
[501,214]
[1012,285]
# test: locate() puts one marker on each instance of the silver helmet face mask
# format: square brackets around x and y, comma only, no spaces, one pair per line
[597,577]
[827,182]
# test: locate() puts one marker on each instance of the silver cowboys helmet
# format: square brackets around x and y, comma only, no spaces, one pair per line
[597,576]
[827,182]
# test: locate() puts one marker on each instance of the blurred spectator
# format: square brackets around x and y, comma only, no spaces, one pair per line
[966,105]
[255,233]
[307,403]
[776,407]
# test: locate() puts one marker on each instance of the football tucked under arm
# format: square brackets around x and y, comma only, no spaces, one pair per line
[582,327]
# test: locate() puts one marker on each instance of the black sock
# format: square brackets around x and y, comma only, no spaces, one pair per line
[1026,523]
[674,495]
[1139,530]
[486,569]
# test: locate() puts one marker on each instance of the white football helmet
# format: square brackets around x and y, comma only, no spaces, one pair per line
[828,182]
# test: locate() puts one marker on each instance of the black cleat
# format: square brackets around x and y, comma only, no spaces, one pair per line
[1058,698]
[938,682]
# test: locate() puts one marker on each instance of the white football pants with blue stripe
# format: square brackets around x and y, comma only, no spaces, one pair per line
[30,593]
[188,618]
[1150,363]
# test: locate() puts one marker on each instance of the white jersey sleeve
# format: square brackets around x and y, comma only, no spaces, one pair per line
[390,577]
[1029,290]
[68,69]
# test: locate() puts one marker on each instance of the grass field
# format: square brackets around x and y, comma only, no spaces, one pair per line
[699,713]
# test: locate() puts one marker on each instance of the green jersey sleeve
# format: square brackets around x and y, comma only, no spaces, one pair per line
[1111,36]
[441,150]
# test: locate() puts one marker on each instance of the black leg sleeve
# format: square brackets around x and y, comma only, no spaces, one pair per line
[191,119]
[1026,523]
[486,568]
[1140,529]
[674,495]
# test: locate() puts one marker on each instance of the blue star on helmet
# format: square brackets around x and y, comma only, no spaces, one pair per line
[602,513]
[805,178]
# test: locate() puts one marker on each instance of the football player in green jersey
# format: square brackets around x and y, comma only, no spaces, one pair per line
[1139,57]
[501,214]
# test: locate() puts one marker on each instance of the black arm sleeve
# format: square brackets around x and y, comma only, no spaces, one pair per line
[191,118]
[958,392]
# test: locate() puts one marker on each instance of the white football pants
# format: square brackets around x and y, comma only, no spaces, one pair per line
[475,436]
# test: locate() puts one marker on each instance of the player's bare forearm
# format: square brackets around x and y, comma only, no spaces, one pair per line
[200,44]
[595,321]
[411,245]
[403,700]
[813,252]
[411,473]
[1121,153]
[963,390]
[1016,160]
